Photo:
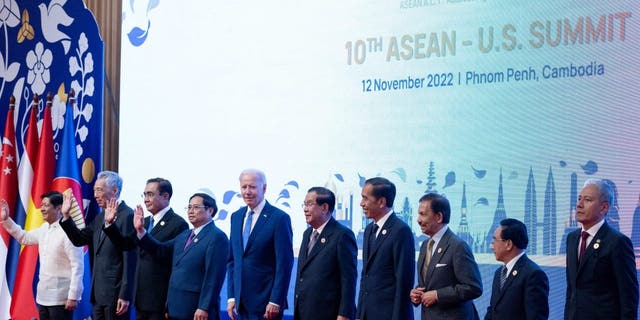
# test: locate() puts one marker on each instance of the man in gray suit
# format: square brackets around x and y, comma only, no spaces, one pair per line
[448,276]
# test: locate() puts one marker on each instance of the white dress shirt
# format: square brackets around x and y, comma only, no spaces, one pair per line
[61,263]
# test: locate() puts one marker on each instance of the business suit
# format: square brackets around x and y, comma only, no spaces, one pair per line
[113,269]
[387,273]
[453,272]
[198,270]
[604,285]
[152,273]
[525,293]
[326,277]
[261,273]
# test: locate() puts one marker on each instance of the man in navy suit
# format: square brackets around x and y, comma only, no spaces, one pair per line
[113,269]
[601,269]
[388,257]
[152,273]
[327,263]
[520,287]
[448,276]
[199,261]
[259,268]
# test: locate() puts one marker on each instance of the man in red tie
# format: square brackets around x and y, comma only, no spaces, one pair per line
[601,269]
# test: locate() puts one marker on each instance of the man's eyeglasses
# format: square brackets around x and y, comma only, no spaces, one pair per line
[307,204]
[194,207]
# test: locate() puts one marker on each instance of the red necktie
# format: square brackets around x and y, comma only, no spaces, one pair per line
[583,245]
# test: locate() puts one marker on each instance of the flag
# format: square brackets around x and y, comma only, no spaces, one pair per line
[9,192]
[23,304]
[67,180]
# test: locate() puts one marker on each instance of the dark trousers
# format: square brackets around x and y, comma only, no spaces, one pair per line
[108,313]
[147,315]
[54,313]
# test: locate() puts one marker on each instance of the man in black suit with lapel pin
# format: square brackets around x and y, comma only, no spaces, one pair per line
[448,276]
[520,288]
[152,273]
[601,270]
[113,269]
[327,263]
[388,259]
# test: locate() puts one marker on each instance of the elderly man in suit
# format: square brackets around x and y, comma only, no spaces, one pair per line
[199,258]
[327,263]
[448,276]
[152,272]
[520,287]
[261,258]
[388,256]
[113,269]
[601,269]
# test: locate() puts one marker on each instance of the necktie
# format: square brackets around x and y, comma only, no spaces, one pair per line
[189,240]
[503,276]
[150,225]
[312,241]
[372,237]
[427,259]
[583,245]
[247,230]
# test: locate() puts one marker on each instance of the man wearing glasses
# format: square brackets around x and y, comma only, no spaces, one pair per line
[199,258]
[327,263]
[152,273]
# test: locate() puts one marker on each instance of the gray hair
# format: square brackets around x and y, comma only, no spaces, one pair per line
[604,189]
[256,173]
[111,179]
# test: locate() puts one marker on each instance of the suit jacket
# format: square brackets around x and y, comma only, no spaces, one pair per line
[152,273]
[198,270]
[605,284]
[453,272]
[326,277]
[525,293]
[113,269]
[261,273]
[387,273]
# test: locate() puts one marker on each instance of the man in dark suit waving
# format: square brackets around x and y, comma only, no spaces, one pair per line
[327,263]
[113,269]
[448,276]
[601,269]
[152,273]
[520,287]
[388,257]
[261,258]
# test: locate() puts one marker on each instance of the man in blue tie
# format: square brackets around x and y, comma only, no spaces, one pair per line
[520,287]
[259,268]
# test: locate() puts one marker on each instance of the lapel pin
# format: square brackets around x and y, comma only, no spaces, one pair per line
[514,273]
[323,240]
[162,223]
[195,240]
[384,231]
[596,246]
[439,250]
[264,215]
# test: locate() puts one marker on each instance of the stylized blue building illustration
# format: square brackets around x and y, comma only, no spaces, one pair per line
[571,223]
[613,216]
[499,215]
[431,177]
[406,213]
[635,229]
[550,217]
[463,228]
[530,214]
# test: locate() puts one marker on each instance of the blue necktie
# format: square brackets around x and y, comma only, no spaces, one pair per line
[150,225]
[247,230]
[503,276]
